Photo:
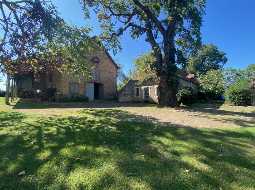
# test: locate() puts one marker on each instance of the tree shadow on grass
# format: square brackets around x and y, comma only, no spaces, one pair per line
[112,149]
[10,118]
[214,108]
[23,104]
[242,119]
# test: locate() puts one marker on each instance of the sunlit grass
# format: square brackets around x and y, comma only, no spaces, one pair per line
[100,149]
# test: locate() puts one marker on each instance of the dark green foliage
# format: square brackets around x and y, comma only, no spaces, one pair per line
[186,96]
[207,58]
[239,93]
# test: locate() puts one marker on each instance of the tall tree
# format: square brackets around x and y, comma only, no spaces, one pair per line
[25,25]
[162,22]
[207,58]
[35,39]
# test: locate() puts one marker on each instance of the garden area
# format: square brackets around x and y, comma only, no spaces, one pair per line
[99,146]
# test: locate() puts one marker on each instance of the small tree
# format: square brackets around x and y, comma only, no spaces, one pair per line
[212,84]
[239,93]
[164,23]
[144,67]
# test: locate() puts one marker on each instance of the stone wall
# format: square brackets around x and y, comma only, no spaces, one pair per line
[105,72]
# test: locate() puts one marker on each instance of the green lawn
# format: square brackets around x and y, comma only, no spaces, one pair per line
[102,149]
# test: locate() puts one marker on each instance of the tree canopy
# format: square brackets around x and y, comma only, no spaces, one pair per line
[168,26]
[207,58]
[35,39]
[143,67]
[232,75]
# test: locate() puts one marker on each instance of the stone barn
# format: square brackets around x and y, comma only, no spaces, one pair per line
[102,85]
[147,90]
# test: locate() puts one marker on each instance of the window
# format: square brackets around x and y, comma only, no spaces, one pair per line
[137,92]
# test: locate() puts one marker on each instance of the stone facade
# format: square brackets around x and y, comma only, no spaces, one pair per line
[147,91]
[102,85]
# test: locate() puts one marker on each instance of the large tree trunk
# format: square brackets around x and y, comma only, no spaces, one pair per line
[167,90]
[168,82]
[7,93]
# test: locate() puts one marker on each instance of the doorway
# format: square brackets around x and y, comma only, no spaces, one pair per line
[98,91]
[146,94]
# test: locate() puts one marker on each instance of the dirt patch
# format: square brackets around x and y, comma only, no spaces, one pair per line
[199,116]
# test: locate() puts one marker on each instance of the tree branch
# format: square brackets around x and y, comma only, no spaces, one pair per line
[155,46]
[151,16]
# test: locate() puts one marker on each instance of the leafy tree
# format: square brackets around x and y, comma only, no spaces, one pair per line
[250,71]
[207,58]
[239,93]
[122,79]
[35,39]
[232,75]
[143,67]
[212,84]
[25,25]
[163,23]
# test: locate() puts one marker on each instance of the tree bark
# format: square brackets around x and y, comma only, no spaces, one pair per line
[168,83]
[7,93]
[167,90]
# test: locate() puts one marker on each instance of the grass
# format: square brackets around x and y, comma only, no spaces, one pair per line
[111,149]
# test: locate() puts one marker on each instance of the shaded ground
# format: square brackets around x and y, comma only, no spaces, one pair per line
[114,149]
[198,116]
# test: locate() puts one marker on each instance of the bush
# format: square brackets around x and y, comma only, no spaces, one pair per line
[239,93]
[211,85]
[186,96]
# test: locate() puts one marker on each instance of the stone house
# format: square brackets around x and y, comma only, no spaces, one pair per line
[147,90]
[102,85]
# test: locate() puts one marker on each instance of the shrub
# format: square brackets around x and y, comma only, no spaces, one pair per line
[239,93]
[212,84]
[186,96]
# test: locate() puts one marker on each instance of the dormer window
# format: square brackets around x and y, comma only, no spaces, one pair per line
[95,60]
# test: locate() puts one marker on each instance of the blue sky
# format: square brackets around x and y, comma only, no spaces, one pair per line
[229,24]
